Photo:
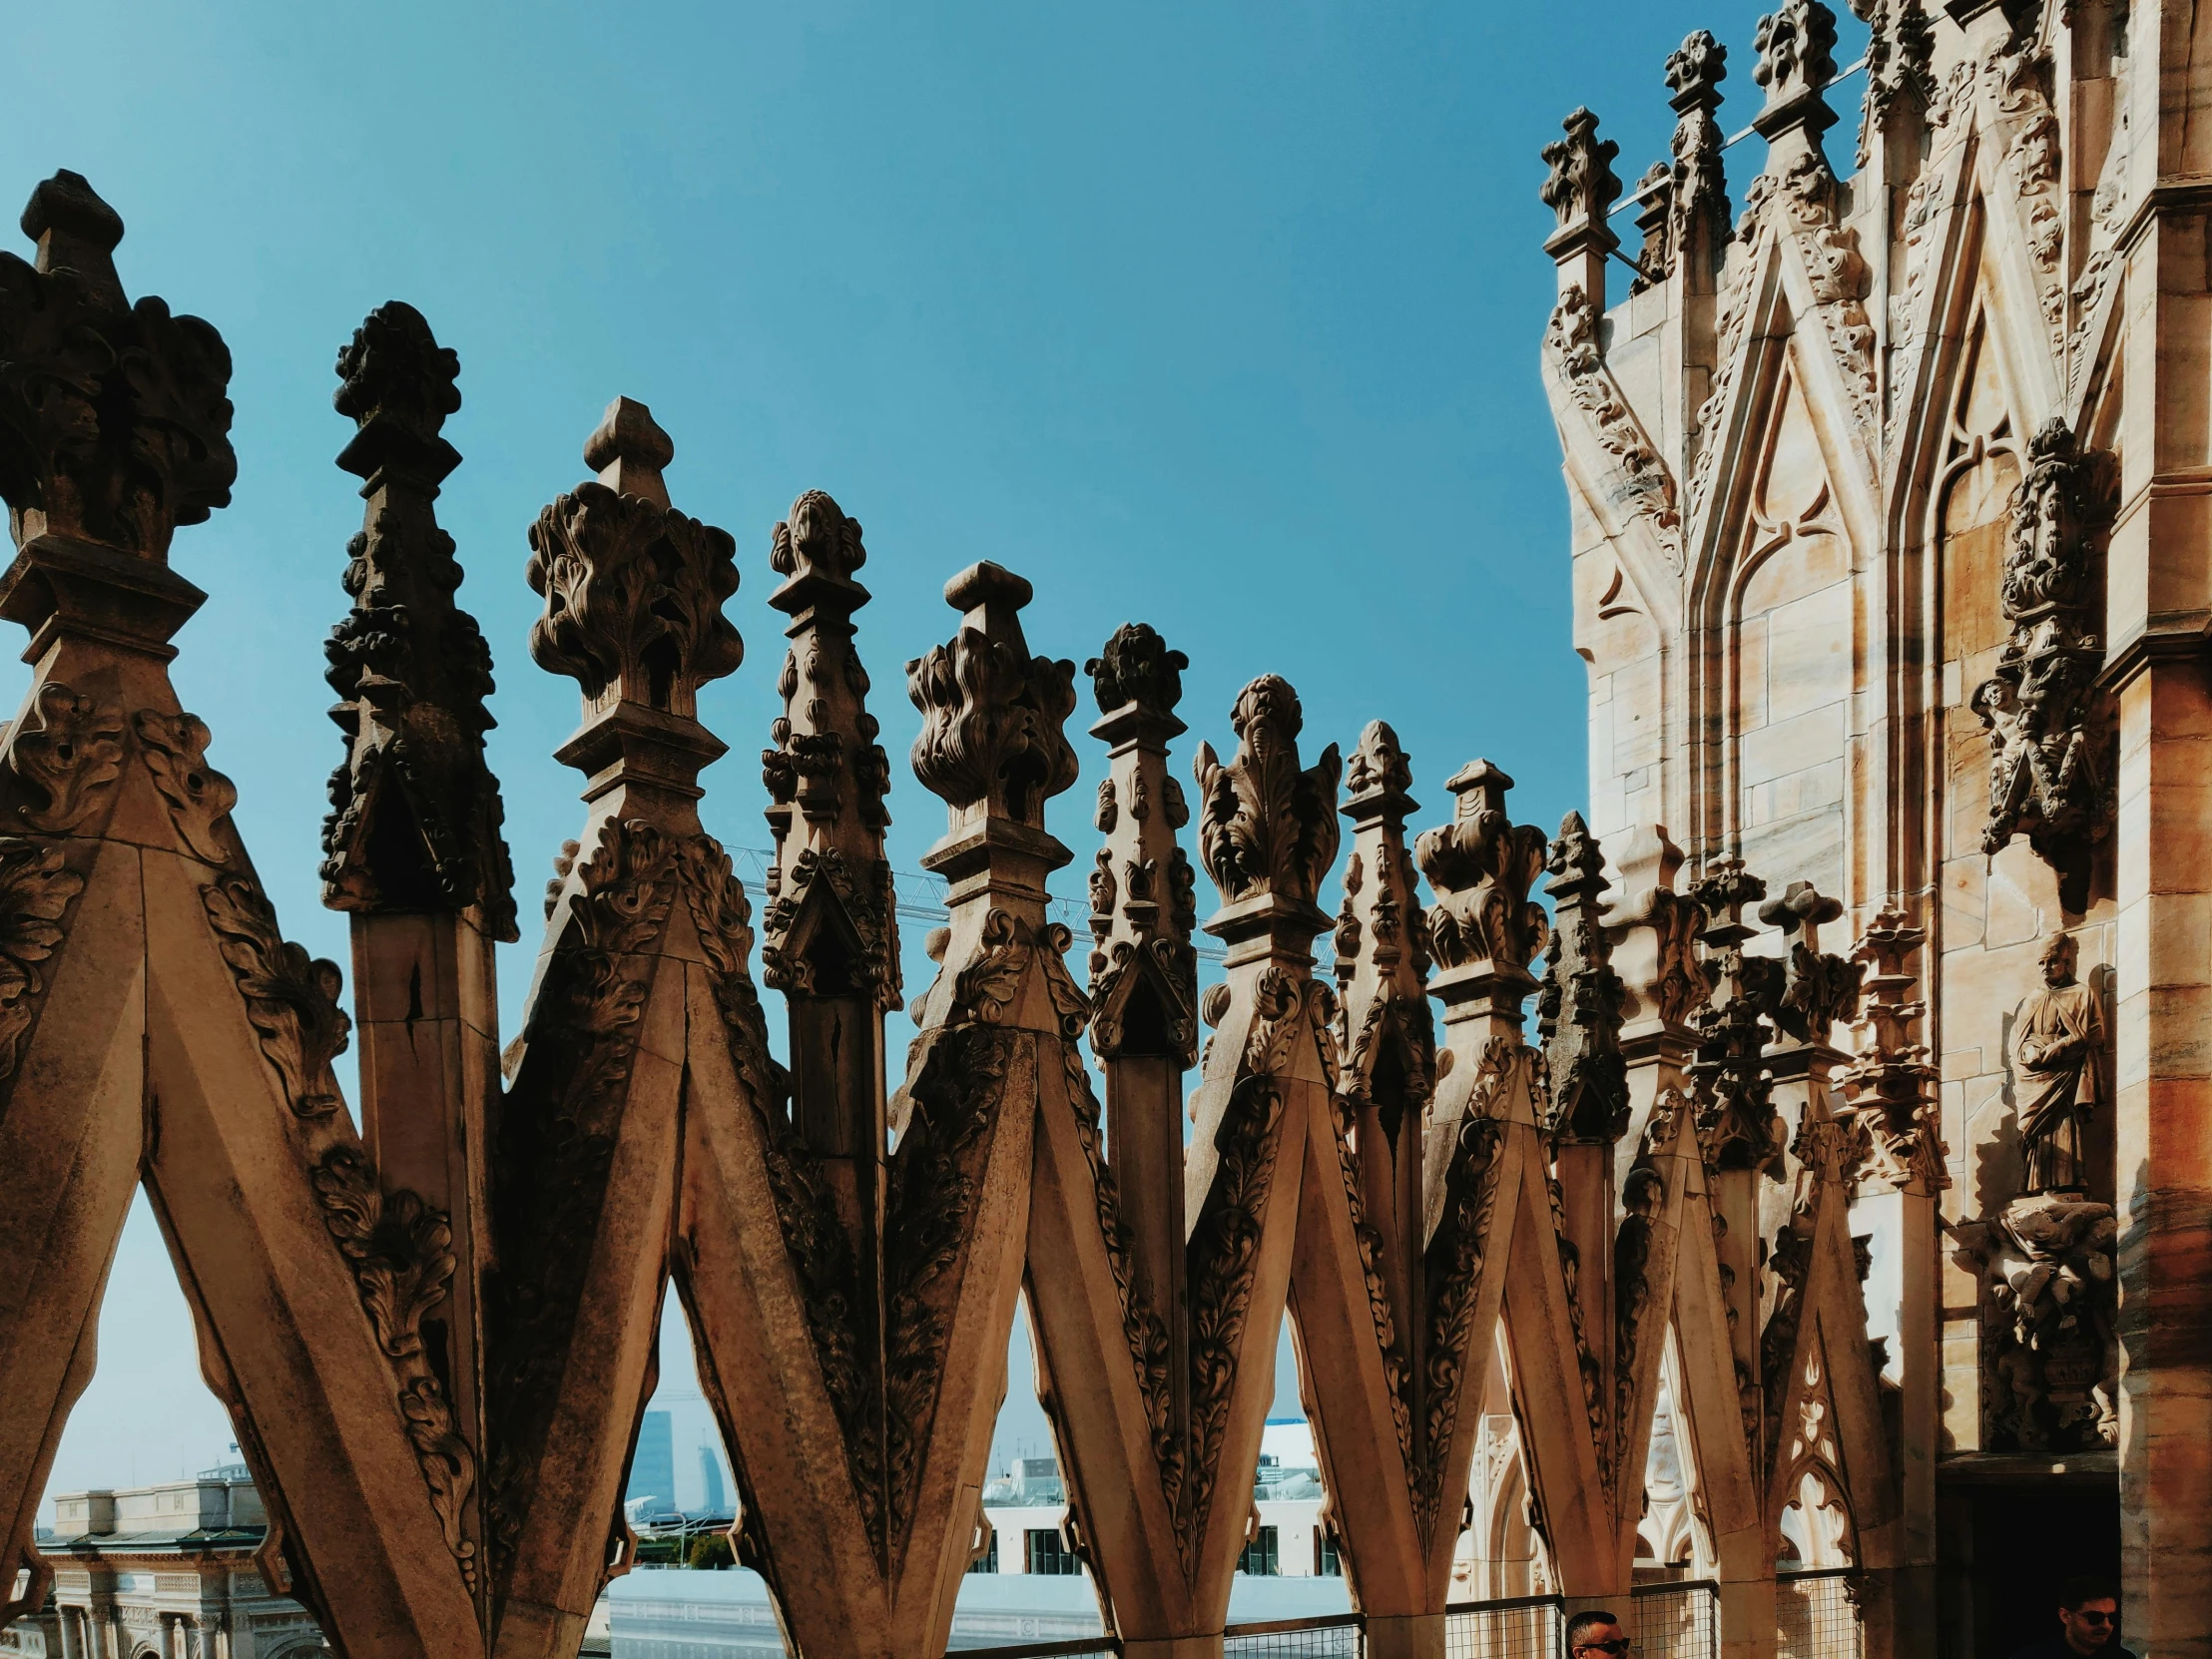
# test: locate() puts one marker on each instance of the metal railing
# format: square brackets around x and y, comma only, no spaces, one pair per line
[1815,1616]
[1524,1627]
[1333,1636]
[1677,1620]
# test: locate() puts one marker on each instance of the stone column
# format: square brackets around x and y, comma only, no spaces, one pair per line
[2160,615]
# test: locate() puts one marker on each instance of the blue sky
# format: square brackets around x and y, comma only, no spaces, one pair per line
[1221,318]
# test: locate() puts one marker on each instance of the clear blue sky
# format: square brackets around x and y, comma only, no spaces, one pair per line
[1222,317]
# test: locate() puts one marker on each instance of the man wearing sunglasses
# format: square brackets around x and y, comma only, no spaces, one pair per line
[1595,1636]
[2088,1621]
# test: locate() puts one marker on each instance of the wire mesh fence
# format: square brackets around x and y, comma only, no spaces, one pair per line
[1678,1621]
[1530,1627]
[1335,1637]
[1815,1617]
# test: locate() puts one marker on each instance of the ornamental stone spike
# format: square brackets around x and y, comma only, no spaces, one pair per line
[415,814]
[1578,1005]
[633,592]
[994,749]
[827,776]
[1797,59]
[1483,929]
[115,427]
[1581,190]
[1700,199]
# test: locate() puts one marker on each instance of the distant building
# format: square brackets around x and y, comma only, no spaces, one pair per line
[710,1473]
[169,1570]
[653,1467]
[1027,1506]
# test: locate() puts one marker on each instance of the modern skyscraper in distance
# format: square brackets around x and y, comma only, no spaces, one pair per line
[653,1465]
[716,1500]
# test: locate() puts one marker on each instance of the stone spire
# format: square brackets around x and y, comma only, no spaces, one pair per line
[827,776]
[415,814]
[1142,899]
[1700,198]
[1735,1117]
[1889,1085]
[115,427]
[1581,190]
[1483,929]
[1578,1008]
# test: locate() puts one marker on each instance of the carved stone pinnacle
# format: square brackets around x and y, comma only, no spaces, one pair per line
[114,424]
[992,737]
[415,813]
[633,589]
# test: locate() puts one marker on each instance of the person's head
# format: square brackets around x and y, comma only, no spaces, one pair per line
[2089,1611]
[1595,1635]
[2059,956]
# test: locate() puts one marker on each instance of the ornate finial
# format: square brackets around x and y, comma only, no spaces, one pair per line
[1654,197]
[1736,1123]
[1700,198]
[1142,899]
[992,715]
[1654,933]
[816,544]
[1581,190]
[1266,827]
[633,589]
[114,424]
[1578,1006]
[827,776]
[76,230]
[1482,865]
[1900,48]
[398,383]
[1797,59]
[415,814]
[1382,947]
[1889,1086]
[2048,767]
[629,452]
[1583,187]
[1822,988]
[1137,667]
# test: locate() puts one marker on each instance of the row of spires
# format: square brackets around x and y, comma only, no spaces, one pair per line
[1682,204]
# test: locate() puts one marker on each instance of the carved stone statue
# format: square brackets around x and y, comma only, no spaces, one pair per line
[2059,1050]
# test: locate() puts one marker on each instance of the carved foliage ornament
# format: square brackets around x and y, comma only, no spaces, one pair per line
[114,424]
[556,1138]
[2048,773]
[401,1255]
[632,588]
[1265,824]
[1583,187]
[36,887]
[1137,667]
[993,716]
[1796,44]
[1482,865]
[291,998]
[69,750]
[1572,341]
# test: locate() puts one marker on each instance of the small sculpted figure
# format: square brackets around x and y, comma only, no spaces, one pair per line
[2059,1051]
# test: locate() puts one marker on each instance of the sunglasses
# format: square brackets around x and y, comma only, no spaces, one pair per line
[2093,1619]
[1616,1647]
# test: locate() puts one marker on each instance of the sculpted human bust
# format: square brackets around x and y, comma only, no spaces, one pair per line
[2059,1049]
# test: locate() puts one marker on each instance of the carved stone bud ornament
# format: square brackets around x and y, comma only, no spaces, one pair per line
[2049,777]
[632,588]
[114,424]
